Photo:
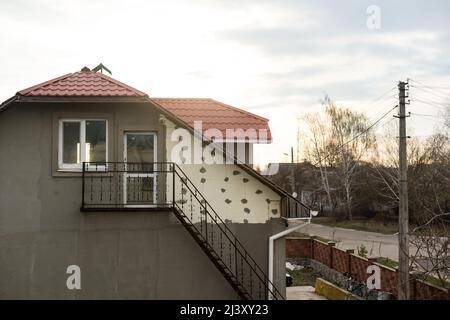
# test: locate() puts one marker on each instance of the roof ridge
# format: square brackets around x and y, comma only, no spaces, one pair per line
[180,98]
[119,83]
[81,81]
[221,103]
[240,110]
[42,84]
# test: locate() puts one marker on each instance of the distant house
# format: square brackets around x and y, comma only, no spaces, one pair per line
[98,175]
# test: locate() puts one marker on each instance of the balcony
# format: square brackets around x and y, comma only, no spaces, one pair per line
[156,186]
[125,186]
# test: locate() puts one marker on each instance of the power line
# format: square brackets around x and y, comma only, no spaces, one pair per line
[381,96]
[425,115]
[374,111]
[355,137]
[374,102]
[429,86]
[387,122]
[442,96]
[414,95]
[446,90]
[429,117]
[431,103]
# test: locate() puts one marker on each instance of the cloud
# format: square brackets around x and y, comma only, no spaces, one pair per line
[275,58]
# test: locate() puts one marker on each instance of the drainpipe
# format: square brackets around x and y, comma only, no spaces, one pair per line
[271,241]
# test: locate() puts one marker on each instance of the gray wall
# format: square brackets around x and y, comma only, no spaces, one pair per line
[121,255]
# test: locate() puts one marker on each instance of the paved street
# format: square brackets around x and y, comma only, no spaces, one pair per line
[377,244]
[302,293]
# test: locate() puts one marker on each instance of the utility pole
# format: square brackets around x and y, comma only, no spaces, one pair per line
[292,154]
[292,171]
[403,219]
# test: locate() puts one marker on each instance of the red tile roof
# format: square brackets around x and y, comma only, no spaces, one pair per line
[82,84]
[214,114]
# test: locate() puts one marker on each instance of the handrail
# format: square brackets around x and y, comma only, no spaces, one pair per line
[107,178]
[245,253]
[274,185]
[290,197]
[234,240]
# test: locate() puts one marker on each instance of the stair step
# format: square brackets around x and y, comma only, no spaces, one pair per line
[218,260]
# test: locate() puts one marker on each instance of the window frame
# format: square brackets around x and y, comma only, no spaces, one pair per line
[70,167]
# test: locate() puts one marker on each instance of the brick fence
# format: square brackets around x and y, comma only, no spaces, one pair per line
[347,261]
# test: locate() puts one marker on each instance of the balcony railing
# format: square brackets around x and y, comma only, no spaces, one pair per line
[126,186]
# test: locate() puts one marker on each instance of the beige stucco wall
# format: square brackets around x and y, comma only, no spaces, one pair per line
[234,194]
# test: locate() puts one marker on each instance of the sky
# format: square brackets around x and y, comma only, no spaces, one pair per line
[274,58]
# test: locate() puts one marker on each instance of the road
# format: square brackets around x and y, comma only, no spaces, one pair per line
[302,293]
[377,244]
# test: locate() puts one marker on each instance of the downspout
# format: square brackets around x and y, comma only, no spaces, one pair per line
[271,242]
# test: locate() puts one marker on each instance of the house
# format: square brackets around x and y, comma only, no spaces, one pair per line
[108,193]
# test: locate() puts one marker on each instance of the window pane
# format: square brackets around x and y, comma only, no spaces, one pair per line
[96,141]
[71,142]
[140,147]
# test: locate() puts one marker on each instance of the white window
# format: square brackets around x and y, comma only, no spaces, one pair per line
[82,141]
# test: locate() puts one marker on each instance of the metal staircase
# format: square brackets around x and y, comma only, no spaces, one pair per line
[218,242]
[117,186]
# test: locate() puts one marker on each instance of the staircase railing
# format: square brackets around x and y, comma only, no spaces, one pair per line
[296,209]
[152,186]
[220,239]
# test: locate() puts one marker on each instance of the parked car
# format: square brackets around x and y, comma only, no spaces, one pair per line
[289,280]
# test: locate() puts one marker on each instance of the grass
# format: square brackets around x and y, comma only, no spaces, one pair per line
[435,281]
[358,224]
[388,262]
[426,278]
[305,277]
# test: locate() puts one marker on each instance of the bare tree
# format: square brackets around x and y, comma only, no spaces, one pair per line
[431,207]
[338,139]
[385,166]
[317,138]
[349,151]
[447,117]
[429,198]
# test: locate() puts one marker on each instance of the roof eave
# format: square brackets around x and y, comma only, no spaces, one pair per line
[66,99]
[5,104]
[244,140]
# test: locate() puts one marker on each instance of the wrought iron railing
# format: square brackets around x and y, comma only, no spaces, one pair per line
[125,185]
[165,185]
[221,239]
[295,209]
